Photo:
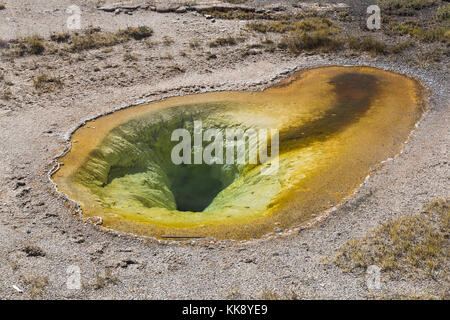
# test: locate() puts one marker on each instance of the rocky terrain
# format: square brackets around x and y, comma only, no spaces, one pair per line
[52,79]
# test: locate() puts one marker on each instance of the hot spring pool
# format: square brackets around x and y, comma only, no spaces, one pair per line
[335,124]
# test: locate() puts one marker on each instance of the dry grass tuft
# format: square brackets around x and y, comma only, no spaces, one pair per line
[270,295]
[236,1]
[31,45]
[292,25]
[7,94]
[130,57]
[418,30]
[33,250]
[60,37]
[288,295]
[101,281]
[91,38]
[237,14]
[46,83]
[194,44]
[139,33]
[443,13]
[37,284]
[223,41]
[96,38]
[304,35]
[307,42]
[405,7]
[415,245]
[367,44]
[168,41]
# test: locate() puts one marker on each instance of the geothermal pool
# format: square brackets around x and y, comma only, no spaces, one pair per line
[335,124]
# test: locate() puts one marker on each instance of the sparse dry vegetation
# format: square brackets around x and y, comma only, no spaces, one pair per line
[95,38]
[32,250]
[7,94]
[305,42]
[210,55]
[194,44]
[223,41]
[367,44]
[60,37]
[405,7]
[103,280]
[37,284]
[168,41]
[129,57]
[415,245]
[29,46]
[236,1]
[443,13]
[416,29]
[46,83]
[402,46]
[238,14]
[270,295]
[91,38]
[314,33]
[299,26]
[289,295]
[166,56]
[425,57]
[139,33]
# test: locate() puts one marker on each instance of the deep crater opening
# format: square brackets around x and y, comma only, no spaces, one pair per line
[195,187]
[136,169]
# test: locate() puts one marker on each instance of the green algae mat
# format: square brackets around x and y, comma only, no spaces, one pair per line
[334,124]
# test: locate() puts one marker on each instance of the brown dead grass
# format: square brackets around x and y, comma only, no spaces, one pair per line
[416,245]
[37,284]
[47,83]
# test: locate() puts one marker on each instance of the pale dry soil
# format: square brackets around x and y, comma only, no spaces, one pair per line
[40,238]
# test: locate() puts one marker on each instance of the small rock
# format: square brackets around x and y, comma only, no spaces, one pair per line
[107,8]
[181,9]
[17,289]
[162,9]
[276,229]
[249,260]
[126,262]
[131,6]
[275,7]
[98,221]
